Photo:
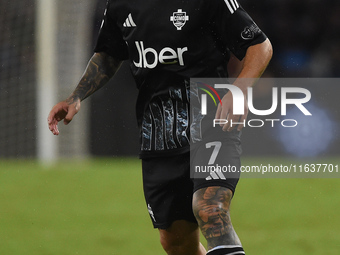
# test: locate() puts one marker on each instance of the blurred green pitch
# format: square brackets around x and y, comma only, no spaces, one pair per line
[97,207]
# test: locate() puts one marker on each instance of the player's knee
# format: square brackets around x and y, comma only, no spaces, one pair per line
[212,218]
[181,239]
[176,245]
[171,245]
[211,209]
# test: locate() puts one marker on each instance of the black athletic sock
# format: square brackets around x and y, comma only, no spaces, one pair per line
[227,250]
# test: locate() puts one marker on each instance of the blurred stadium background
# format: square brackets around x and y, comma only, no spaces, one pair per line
[95,206]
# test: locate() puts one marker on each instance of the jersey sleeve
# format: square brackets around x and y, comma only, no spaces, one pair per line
[110,39]
[233,27]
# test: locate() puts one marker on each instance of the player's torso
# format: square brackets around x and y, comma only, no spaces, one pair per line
[168,35]
[168,42]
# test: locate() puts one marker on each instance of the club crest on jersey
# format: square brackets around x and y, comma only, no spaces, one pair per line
[179,19]
[249,32]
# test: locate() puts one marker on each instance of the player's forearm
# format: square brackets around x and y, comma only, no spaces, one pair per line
[255,62]
[99,71]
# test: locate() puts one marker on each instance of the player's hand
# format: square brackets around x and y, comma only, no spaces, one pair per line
[225,112]
[64,110]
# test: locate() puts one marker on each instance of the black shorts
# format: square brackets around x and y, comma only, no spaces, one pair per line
[169,184]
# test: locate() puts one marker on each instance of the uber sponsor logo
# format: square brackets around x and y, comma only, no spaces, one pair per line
[149,57]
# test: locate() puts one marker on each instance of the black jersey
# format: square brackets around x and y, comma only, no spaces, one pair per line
[167,43]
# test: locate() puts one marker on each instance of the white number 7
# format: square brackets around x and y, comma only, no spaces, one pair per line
[215,151]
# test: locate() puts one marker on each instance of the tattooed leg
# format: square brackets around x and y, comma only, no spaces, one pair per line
[211,209]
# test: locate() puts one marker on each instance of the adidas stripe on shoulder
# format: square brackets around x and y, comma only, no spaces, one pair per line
[232,5]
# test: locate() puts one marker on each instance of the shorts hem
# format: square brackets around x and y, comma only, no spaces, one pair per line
[214,184]
[166,225]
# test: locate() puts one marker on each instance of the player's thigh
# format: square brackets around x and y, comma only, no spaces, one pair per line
[168,189]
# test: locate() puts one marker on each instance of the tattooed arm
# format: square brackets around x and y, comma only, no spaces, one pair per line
[99,71]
